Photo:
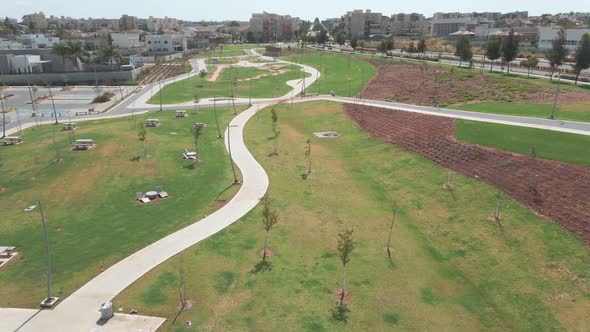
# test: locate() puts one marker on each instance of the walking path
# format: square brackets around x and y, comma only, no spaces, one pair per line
[79,312]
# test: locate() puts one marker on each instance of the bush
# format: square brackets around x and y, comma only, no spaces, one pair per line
[103,98]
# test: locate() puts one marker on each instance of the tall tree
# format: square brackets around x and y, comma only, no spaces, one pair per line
[345,247]
[463,49]
[354,43]
[582,55]
[421,46]
[276,132]
[75,52]
[269,219]
[509,49]
[529,64]
[493,49]
[62,50]
[558,52]
[340,38]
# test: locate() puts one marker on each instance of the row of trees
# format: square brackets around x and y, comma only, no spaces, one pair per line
[507,50]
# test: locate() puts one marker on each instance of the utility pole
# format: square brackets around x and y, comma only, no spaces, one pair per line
[250,92]
[53,105]
[32,102]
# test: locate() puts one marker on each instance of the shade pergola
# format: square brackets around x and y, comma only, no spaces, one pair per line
[462,33]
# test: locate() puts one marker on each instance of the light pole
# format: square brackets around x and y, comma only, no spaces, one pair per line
[2,97]
[231,160]
[53,104]
[50,300]
[160,91]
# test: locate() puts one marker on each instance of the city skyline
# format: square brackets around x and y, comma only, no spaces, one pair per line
[241,11]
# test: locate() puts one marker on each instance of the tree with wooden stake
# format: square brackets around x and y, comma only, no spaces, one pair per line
[496,216]
[269,219]
[196,101]
[558,52]
[388,248]
[57,156]
[203,74]
[308,156]
[345,247]
[197,131]
[142,135]
[276,132]
[529,64]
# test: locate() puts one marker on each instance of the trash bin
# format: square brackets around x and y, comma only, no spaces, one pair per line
[106,310]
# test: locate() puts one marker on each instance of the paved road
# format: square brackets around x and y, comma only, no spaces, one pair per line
[78,312]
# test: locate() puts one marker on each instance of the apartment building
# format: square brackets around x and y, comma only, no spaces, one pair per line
[128,40]
[573,36]
[407,25]
[35,21]
[37,40]
[362,25]
[443,24]
[273,27]
[127,22]
[167,43]
[155,24]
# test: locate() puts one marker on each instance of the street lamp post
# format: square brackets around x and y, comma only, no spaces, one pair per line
[552,116]
[231,160]
[3,116]
[160,91]
[50,300]
[53,104]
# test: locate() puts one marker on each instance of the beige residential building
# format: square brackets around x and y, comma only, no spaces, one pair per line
[35,20]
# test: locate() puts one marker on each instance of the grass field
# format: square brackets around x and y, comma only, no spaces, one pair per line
[88,198]
[571,111]
[264,87]
[451,268]
[570,148]
[344,75]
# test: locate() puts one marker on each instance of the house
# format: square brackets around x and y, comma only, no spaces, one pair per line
[166,43]
[127,40]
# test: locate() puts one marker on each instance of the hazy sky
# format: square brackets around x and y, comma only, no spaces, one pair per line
[306,9]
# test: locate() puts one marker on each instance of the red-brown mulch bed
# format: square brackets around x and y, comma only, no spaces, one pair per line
[415,84]
[269,253]
[338,294]
[556,190]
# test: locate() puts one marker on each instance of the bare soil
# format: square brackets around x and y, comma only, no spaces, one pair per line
[416,84]
[553,189]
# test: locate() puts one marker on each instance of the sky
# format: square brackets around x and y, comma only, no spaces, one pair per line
[241,10]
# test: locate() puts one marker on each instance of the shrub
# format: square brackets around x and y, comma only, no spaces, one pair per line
[103,98]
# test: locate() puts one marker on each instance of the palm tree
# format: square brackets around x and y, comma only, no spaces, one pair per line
[108,52]
[75,51]
[61,50]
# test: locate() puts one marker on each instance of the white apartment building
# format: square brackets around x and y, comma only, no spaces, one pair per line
[126,40]
[155,24]
[362,25]
[37,40]
[168,43]
[443,24]
[573,36]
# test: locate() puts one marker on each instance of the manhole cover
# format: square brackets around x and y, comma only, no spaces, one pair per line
[327,134]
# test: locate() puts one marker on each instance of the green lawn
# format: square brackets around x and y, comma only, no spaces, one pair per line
[572,111]
[452,269]
[344,75]
[548,144]
[233,50]
[265,87]
[88,198]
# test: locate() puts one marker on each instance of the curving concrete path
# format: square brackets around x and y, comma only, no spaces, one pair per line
[79,311]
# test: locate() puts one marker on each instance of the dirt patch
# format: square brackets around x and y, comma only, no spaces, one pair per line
[3,190]
[217,72]
[416,84]
[553,189]
[338,294]
[269,253]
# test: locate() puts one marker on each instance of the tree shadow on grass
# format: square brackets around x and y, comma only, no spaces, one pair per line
[262,266]
[341,312]
[223,191]
[135,159]
[191,166]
